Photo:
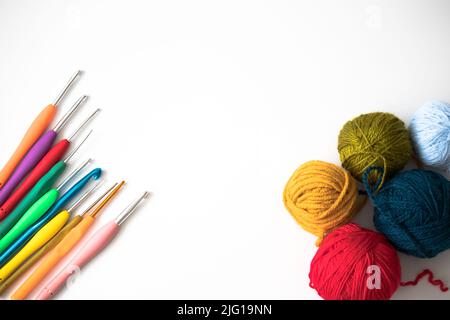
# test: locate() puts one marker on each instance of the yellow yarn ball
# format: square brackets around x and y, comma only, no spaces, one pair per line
[374,139]
[321,197]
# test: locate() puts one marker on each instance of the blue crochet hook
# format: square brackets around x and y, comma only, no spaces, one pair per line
[54,210]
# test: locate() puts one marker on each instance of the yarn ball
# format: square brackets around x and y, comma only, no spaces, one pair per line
[413,211]
[430,134]
[343,266]
[374,139]
[321,197]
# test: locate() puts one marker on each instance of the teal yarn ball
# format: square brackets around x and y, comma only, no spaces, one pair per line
[413,211]
[430,134]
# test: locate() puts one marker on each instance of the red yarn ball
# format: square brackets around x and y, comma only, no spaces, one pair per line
[348,261]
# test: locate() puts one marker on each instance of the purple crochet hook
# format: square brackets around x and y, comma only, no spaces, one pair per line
[37,152]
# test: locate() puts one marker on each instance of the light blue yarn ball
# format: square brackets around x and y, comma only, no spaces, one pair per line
[430,134]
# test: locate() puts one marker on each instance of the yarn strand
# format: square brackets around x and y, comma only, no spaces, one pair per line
[372,188]
[431,280]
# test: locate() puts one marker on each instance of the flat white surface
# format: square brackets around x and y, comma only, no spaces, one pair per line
[211,105]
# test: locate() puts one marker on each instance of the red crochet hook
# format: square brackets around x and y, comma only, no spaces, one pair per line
[47,162]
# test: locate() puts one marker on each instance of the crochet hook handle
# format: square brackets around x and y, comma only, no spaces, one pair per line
[93,247]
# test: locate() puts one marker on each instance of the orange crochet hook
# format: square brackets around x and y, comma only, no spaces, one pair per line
[37,128]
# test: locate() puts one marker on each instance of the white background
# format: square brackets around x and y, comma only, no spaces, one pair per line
[211,105]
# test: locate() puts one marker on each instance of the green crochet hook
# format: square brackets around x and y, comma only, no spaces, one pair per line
[41,188]
[39,207]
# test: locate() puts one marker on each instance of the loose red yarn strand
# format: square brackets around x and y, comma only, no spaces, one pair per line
[431,280]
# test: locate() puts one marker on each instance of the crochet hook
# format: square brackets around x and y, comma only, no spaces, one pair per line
[35,154]
[45,164]
[37,128]
[62,249]
[37,210]
[101,238]
[56,208]
[44,235]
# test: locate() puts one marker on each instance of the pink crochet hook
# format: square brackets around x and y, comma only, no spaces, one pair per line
[90,250]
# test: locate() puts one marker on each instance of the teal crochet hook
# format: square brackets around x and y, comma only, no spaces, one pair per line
[54,210]
[36,210]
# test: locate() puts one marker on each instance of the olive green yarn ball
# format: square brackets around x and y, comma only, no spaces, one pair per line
[374,139]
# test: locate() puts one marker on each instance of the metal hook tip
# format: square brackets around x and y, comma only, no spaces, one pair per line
[146,195]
